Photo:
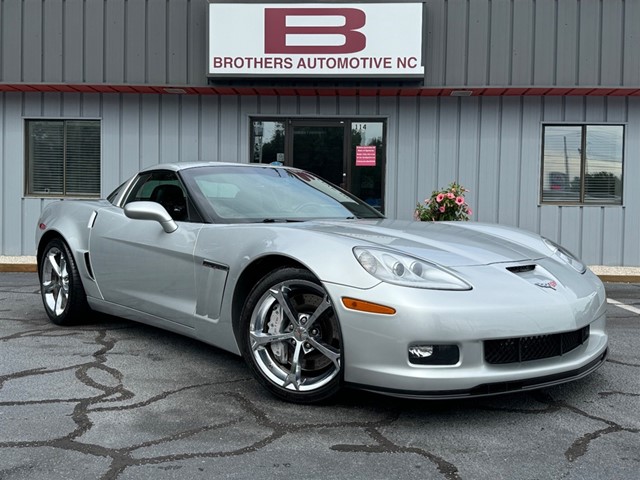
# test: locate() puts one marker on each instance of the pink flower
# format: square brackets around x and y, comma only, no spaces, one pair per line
[459,200]
[440,197]
[469,211]
[442,209]
[450,195]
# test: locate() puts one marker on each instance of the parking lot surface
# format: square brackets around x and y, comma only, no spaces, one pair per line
[117,400]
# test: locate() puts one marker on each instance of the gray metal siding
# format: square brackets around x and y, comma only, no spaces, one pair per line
[492,145]
[110,41]
[533,43]
[469,42]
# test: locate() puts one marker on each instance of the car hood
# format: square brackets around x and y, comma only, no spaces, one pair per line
[449,244]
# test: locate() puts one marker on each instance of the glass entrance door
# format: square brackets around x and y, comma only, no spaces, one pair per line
[347,152]
[366,162]
[319,148]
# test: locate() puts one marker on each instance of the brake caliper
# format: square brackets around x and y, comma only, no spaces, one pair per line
[275,327]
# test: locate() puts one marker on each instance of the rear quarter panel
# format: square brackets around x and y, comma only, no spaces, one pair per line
[69,220]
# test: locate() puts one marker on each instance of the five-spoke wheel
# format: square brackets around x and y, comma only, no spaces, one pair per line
[60,286]
[291,336]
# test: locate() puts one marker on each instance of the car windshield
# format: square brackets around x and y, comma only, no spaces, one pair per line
[270,194]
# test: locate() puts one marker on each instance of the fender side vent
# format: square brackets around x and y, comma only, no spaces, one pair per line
[87,264]
[521,268]
[215,266]
[92,219]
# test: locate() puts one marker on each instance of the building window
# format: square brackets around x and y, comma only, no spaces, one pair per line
[63,158]
[267,141]
[582,164]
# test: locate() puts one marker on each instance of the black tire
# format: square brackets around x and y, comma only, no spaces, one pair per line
[61,289]
[290,337]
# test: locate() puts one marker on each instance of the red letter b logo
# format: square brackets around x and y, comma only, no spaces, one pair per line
[276,30]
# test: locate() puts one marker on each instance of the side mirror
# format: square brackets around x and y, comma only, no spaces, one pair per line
[151,211]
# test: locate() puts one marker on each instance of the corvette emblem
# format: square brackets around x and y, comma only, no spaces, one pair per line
[552,285]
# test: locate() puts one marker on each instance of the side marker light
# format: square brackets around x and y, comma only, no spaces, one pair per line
[362,306]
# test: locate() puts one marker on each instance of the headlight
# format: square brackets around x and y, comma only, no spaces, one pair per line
[565,255]
[399,269]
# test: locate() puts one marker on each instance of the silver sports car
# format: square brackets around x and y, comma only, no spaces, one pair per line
[317,290]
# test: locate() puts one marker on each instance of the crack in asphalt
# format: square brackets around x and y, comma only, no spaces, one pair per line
[123,458]
[626,364]
[385,445]
[34,371]
[581,445]
[19,291]
[164,395]
[37,333]
[624,394]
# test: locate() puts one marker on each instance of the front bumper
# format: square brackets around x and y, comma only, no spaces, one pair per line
[375,347]
[496,388]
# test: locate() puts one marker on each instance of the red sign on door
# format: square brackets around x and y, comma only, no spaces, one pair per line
[366,156]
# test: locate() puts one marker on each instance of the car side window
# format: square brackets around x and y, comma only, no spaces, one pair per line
[166,189]
[113,195]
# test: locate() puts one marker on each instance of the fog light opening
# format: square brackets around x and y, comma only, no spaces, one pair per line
[423,354]
[421,351]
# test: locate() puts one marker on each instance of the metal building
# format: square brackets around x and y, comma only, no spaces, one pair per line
[533,105]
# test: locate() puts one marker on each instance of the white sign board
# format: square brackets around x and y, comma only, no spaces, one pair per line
[315,39]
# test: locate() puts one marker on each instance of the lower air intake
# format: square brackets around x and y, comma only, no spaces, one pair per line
[524,349]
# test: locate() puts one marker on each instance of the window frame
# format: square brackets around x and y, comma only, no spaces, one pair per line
[582,202]
[133,186]
[27,163]
[347,121]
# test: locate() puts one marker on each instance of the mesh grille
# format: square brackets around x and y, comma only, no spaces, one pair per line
[523,349]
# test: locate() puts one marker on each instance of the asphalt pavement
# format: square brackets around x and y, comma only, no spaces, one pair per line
[112,399]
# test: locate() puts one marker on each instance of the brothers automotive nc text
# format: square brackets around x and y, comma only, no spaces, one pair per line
[312,63]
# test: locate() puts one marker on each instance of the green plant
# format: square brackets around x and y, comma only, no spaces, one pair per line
[444,205]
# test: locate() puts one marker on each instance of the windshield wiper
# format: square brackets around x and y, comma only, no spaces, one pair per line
[280,220]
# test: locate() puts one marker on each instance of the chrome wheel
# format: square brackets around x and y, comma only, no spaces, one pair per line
[293,337]
[55,281]
[62,292]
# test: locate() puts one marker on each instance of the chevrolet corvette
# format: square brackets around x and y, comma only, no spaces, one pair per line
[317,290]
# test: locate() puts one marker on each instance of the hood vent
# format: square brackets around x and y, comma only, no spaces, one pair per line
[521,269]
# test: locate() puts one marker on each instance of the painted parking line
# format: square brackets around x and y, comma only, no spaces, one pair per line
[629,308]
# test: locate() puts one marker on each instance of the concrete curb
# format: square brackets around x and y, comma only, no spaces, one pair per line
[620,278]
[32,267]
[18,267]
